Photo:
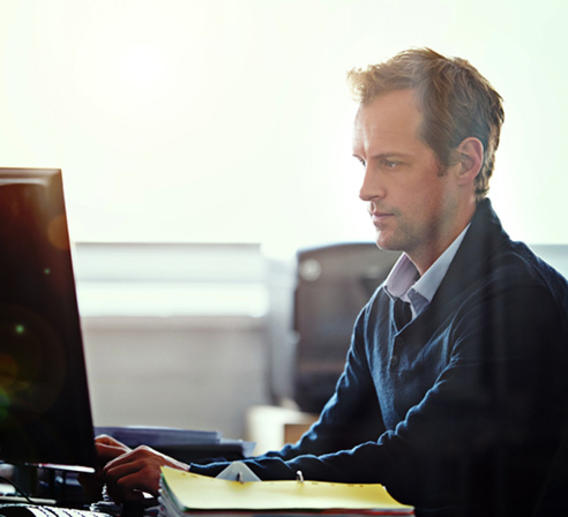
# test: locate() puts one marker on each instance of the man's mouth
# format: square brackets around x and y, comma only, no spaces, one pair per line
[379,217]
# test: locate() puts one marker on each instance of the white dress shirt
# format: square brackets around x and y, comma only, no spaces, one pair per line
[404,280]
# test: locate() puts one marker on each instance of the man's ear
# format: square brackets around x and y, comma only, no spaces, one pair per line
[469,156]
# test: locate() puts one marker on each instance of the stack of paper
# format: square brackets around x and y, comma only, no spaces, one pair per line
[135,435]
[184,493]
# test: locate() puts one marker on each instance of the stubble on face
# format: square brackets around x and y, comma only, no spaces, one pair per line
[410,193]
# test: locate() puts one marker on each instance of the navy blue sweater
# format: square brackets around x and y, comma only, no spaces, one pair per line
[462,409]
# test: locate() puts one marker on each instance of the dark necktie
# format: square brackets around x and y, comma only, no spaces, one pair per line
[402,313]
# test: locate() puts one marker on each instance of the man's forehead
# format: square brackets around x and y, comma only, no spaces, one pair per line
[392,105]
[390,117]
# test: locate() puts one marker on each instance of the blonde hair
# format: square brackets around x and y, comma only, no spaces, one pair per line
[456,100]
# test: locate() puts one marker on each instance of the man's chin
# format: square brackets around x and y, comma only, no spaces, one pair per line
[385,243]
[382,242]
[386,248]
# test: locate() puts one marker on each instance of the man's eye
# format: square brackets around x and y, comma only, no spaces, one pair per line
[390,164]
[361,161]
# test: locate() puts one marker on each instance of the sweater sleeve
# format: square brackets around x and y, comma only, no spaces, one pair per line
[350,417]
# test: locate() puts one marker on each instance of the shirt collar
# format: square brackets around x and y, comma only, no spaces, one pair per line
[405,282]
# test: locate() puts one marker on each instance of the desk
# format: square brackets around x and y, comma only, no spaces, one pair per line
[270,427]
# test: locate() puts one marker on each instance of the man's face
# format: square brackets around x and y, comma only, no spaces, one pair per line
[411,197]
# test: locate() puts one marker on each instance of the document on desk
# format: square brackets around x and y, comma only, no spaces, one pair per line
[185,493]
[152,436]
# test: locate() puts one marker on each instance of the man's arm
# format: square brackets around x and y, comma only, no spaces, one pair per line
[350,417]
[489,424]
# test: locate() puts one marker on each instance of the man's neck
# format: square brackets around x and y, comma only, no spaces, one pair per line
[424,258]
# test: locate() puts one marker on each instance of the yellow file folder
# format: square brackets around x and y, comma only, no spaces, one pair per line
[195,492]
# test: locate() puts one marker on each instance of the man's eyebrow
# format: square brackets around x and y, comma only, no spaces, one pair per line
[393,154]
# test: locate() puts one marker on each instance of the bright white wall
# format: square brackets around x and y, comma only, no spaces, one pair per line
[219,120]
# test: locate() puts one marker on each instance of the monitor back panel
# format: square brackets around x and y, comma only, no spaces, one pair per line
[45,412]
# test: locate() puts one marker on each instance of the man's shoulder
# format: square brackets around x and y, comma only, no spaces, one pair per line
[489,258]
[491,274]
[517,285]
[516,265]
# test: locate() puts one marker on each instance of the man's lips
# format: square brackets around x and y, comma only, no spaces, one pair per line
[380,217]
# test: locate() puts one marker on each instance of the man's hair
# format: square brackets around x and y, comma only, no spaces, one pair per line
[456,101]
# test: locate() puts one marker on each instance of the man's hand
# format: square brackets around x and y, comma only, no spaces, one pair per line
[132,471]
[107,449]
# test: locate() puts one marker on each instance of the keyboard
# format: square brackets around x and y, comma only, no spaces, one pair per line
[31,510]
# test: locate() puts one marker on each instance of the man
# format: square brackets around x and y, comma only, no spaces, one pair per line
[453,390]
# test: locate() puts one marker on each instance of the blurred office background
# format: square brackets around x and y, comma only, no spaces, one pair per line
[204,141]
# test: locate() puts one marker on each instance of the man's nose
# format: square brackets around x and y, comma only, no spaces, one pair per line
[372,187]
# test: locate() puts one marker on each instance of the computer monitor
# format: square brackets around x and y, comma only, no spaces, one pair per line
[45,415]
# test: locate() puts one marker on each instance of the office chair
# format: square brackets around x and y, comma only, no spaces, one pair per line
[312,311]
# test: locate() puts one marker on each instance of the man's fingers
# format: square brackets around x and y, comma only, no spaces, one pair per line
[127,456]
[105,439]
[108,448]
[107,453]
[138,466]
[146,454]
[113,473]
[141,478]
[138,469]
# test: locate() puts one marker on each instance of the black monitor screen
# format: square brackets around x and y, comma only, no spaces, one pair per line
[45,415]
